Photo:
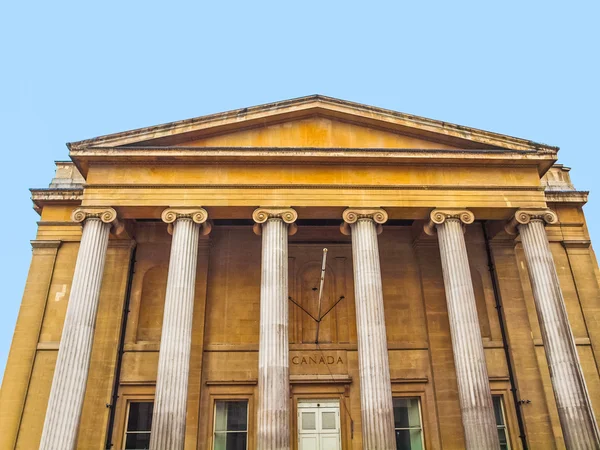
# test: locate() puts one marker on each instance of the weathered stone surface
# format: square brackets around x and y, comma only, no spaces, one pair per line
[578,423]
[475,397]
[273,428]
[377,411]
[168,421]
[71,372]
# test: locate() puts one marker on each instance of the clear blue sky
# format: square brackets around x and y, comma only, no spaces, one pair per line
[75,70]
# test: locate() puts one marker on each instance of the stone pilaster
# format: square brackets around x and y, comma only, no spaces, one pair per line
[577,420]
[377,410]
[73,361]
[170,402]
[273,428]
[474,393]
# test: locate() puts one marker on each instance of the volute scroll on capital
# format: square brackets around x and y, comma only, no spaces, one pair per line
[104,213]
[525,216]
[439,216]
[196,214]
[352,215]
[287,214]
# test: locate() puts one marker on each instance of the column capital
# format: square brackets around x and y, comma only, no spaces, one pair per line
[287,214]
[196,214]
[378,215]
[351,215]
[524,216]
[105,213]
[439,216]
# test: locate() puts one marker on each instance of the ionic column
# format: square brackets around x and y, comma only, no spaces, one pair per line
[377,410]
[577,420]
[170,400]
[474,393]
[273,428]
[73,361]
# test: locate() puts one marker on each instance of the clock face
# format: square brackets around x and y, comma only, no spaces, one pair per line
[318,290]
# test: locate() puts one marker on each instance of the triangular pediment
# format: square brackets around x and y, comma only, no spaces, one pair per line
[314,121]
[315,132]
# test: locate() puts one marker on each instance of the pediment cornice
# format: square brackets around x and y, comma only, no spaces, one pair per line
[170,134]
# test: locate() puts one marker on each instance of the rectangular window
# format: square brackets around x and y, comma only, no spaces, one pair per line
[231,425]
[139,424]
[407,423]
[501,422]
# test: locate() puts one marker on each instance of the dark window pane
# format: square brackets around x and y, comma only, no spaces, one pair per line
[402,440]
[498,410]
[137,441]
[236,441]
[406,413]
[237,416]
[503,438]
[401,413]
[140,416]
[409,440]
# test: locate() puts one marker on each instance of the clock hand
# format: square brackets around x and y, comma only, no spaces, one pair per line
[321,293]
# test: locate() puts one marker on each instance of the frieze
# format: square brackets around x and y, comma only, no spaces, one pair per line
[382,187]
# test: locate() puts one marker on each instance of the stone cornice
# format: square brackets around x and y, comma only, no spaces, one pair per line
[542,159]
[42,197]
[383,187]
[439,216]
[38,243]
[524,216]
[196,214]
[576,244]
[261,215]
[578,197]
[313,105]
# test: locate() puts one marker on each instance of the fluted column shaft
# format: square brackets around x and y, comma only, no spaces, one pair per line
[580,429]
[170,402]
[273,427]
[377,409]
[474,393]
[73,361]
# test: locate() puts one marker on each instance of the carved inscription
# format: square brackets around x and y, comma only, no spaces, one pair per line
[312,360]
[315,362]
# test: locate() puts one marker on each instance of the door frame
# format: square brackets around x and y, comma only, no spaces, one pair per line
[325,403]
[323,392]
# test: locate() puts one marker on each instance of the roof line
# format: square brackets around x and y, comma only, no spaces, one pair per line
[299,101]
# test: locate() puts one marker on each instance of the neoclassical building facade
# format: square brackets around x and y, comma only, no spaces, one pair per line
[311,274]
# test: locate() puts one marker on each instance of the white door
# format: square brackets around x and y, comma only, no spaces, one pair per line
[319,425]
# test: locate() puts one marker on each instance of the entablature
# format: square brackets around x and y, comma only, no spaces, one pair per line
[541,159]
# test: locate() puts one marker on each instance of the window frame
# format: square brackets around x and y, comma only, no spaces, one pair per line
[419,399]
[214,421]
[125,424]
[229,392]
[128,394]
[500,397]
